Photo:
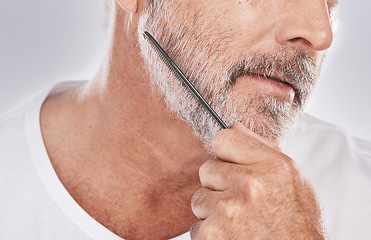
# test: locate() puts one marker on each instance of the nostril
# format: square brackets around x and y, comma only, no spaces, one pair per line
[294,39]
[303,41]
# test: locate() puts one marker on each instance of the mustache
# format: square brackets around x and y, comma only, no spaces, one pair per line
[297,69]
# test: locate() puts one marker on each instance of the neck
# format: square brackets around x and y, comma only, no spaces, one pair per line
[135,164]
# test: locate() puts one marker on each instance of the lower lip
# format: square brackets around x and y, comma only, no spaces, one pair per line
[270,87]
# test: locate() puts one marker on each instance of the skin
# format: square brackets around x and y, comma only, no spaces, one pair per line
[103,136]
[253,191]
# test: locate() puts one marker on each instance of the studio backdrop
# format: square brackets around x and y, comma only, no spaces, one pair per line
[46,41]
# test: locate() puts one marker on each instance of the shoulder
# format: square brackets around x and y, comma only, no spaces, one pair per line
[13,144]
[10,116]
[338,166]
[315,139]
[11,128]
[313,131]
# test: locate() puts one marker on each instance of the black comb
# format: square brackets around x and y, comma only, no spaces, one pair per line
[178,73]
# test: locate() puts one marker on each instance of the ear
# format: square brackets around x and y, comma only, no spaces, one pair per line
[131,6]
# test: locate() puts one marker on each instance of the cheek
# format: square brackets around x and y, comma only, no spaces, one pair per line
[243,26]
[225,17]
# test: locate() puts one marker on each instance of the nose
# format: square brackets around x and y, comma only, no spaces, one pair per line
[304,25]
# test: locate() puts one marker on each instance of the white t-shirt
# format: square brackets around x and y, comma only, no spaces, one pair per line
[35,205]
[339,168]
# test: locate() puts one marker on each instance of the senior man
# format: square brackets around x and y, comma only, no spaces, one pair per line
[131,154]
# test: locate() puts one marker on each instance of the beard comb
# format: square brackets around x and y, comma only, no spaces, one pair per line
[179,75]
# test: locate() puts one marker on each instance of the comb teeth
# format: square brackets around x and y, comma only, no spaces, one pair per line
[163,57]
[179,75]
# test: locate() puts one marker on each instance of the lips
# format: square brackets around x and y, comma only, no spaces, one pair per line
[278,79]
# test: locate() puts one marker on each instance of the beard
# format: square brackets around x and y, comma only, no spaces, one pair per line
[201,48]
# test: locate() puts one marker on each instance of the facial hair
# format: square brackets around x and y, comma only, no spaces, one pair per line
[198,46]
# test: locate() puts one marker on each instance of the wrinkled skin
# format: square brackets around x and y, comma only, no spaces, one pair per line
[134,166]
[253,191]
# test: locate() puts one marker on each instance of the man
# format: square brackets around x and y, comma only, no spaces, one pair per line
[132,155]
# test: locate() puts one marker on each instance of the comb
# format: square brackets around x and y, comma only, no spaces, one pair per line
[179,74]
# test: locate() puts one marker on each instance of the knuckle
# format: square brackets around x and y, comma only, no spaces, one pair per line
[256,190]
[250,188]
[228,208]
[243,184]
[244,181]
[285,166]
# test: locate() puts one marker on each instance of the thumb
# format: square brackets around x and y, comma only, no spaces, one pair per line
[242,128]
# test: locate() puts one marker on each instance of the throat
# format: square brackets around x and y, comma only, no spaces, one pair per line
[136,182]
[161,210]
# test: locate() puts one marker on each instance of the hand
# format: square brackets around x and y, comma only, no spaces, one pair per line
[253,191]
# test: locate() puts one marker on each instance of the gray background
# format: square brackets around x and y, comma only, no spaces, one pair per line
[46,41]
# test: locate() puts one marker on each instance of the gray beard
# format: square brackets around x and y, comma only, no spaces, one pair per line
[267,116]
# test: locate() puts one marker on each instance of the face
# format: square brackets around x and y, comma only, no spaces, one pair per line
[254,61]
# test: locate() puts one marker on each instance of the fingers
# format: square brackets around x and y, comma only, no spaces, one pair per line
[219,175]
[195,230]
[213,229]
[250,185]
[203,230]
[204,202]
[242,128]
[240,145]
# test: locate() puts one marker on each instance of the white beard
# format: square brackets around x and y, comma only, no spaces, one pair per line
[267,116]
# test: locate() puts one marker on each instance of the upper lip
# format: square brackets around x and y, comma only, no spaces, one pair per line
[278,79]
